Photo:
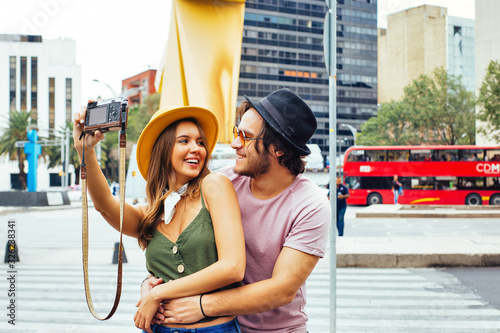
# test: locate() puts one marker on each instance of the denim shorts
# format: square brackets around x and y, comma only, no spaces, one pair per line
[229,327]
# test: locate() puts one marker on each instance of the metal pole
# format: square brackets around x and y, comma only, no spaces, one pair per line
[109,87]
[98,146]
[330,49]
[353,130]
[62,163]
[66,162]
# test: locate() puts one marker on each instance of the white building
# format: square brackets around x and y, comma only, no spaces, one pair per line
[40,76]
[419,40]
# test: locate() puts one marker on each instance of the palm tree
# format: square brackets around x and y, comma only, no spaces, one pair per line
[18,122]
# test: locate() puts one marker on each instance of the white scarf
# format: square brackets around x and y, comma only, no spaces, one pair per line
[171,201]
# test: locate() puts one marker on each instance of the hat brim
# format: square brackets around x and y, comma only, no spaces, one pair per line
[162,119]
[303,151]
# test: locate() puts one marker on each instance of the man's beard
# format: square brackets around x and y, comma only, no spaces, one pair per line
[256,166]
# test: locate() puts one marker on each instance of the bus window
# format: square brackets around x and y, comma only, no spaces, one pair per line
[376,155]
[471,155]
[356,156]
[493,155]
[422,183]
[380,183]
[398,155]
[353,183]
[446,183]
[420,155]
[493,182]
[446,155]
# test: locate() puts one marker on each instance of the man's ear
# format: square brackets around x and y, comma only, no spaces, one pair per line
[278,153]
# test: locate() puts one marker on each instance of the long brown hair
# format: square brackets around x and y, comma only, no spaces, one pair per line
[161,179]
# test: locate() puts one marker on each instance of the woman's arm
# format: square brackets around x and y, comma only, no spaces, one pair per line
[221,202]
[104,202]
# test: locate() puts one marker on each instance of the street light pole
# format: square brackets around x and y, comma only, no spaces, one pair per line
[109,87]
[353,130]
[98,146]
[330,50]
[63,162]
[66,161]
[64,143]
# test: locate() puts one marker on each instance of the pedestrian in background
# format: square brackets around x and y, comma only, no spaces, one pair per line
[396,188]
[342,195]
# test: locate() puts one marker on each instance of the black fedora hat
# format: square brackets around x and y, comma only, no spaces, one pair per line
[289,116]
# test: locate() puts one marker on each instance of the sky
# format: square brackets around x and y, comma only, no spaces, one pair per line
[117,39]
[458,8]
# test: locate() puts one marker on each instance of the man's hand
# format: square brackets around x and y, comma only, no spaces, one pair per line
[146,286]
[184,310]
[148,306]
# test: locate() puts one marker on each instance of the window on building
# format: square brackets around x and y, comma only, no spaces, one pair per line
[145,86]
[24,82]
[69,93]
[52,102]
[250,51]
[34,90]
[12,80]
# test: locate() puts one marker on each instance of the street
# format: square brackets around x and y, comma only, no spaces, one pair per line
[50,297]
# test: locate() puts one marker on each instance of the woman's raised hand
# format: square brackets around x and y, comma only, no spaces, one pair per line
[90,140]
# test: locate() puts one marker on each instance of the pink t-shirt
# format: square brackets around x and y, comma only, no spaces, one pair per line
[297,218]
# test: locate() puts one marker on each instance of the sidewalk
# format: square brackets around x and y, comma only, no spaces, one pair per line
[403,252]
[429,211]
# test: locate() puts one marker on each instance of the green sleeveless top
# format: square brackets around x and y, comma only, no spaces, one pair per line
[194,250]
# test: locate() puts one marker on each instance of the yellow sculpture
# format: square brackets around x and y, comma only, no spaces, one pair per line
[201,62]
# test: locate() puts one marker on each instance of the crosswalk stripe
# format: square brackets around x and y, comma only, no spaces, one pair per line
[395,300]
[423,325]
[379,300]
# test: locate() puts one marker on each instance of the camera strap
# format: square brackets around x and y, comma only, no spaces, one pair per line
[85,229]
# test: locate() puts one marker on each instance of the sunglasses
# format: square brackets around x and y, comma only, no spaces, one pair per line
[243,138]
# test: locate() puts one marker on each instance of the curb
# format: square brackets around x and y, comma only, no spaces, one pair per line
[373,260]
[17,209]
[429,215]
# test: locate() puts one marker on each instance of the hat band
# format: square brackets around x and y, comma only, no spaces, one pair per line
[277,117]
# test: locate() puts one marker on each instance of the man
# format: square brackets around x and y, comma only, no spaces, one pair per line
[342,195]
[285,219]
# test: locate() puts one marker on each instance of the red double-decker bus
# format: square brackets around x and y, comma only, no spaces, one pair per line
[446,175]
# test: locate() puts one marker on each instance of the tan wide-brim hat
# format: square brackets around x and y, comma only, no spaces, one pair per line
[162,119]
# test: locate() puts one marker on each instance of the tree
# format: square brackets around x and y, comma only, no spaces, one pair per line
[18,122]
[138,117]
[489,102]
[390,127]
[442,110]
[433,111]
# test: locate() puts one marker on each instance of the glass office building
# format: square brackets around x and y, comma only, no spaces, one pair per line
[460,50]
[283,47]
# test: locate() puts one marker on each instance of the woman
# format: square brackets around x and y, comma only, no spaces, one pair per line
[396,188]
[195,244]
